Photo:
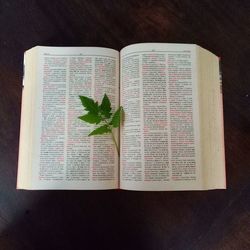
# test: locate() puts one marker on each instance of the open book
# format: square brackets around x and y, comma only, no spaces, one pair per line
[172,135]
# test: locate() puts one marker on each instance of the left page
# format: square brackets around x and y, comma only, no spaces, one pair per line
[55,151]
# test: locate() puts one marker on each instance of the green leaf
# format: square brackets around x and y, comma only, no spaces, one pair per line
[101,130]
[105,106]
[91,118]
[89,104]
[117,117]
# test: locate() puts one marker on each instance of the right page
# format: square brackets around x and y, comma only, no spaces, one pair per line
[162,137]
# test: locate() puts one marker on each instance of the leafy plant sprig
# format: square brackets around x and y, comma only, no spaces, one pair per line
[102,114]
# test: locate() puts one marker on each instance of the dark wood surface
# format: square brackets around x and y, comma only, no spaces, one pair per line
[118,219]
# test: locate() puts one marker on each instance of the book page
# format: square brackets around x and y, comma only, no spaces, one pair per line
[160,139]
[62,156]
[211,120]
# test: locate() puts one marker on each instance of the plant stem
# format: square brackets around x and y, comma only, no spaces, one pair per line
[117,148]
[113,137]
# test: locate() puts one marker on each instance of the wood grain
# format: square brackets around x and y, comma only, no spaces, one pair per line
[122,219]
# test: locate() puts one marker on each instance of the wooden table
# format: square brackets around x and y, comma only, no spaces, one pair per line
[122,219]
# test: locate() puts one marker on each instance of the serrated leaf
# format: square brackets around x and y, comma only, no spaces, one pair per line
[101,130]
[115,122]
[90,118]
[89,104]
[105,106]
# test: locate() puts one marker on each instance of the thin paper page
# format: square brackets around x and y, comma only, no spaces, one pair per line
[160,137]
[63,155]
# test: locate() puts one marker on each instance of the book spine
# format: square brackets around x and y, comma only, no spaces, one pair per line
[23,69]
